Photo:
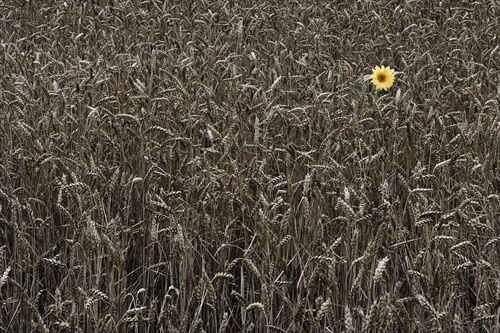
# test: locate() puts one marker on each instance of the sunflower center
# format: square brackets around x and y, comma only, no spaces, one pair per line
[381,77]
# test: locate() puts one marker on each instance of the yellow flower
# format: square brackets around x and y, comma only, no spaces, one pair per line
[382,77]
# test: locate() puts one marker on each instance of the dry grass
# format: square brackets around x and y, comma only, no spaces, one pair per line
[207,167]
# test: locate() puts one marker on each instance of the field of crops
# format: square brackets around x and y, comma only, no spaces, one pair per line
[219,166]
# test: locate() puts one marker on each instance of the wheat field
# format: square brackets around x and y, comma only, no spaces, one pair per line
[219,166]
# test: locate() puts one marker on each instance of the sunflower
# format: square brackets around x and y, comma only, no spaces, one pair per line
[382,77]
